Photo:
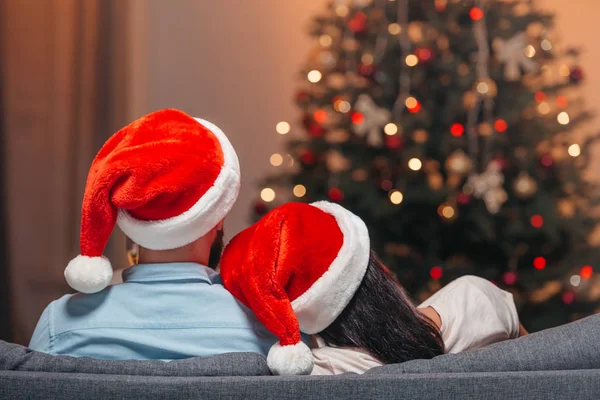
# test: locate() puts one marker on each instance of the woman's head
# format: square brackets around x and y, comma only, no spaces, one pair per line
[298,269]
[382,320]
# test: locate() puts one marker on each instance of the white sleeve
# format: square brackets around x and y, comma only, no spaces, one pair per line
[474,314]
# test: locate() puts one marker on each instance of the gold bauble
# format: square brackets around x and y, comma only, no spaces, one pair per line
[416,31]
[458,163]
[525,186]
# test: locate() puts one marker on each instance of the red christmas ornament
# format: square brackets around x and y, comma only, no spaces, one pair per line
[539,263]
[436,273]
[500,125]
[561,102]
[568,297]
[358,23]
[307,157]
[316,130]
[457,130]
[301,96]
[424,54]
[335,194]
[386,184]
[476,13]
[586,272]
[510,278]
[357,118]
[416,108]
[366,70]
[540,97]
[393,142]
[320,116]
[260,208]
[576,75]
[463,198]
[547,160]
[537,221]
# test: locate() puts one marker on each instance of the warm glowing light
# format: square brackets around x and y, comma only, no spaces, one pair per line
[282,127]
[411,60]
[390,129]
[435,273]
[448,211]
[561,102]
[537,221]
[357,118]
[540,97]
[574,150]
[394,29]
[276,160]
[267,195]
[539,263]
[320,116]
[483,87]
[457,129]
[341,10]
[415,164]
[299,190]
[314,76]
[563,118]
[411,102]
[510,278]
[544,108]
[396,197]
[476,13]
[586,272]
[564,70]
[367,58]
[325,40]
[500,125]
[546,45]
[342,106]
[530,51]
[575,280]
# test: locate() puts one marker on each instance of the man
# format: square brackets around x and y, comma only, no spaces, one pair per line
[168,180]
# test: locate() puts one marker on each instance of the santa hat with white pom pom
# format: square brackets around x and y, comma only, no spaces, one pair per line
[297,269]
[166,179]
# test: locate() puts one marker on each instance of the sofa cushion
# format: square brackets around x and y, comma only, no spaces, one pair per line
[567,347]
[14,357]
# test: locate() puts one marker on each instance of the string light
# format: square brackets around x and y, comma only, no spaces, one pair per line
[483,87]
[564,70]
[357,118]
[540,97]
[367,58]
[267,195]
[510,278]
[530,51]
[276,160]
[415,164]
[412,104]
[537,221]
[544,108]
[411,60]
[341,10]
[325,40]
[574,150]
[394,29]
[575,280]
[396,197]
[539,263]
[476,13]
[320,116]
[500,125]
[299,190]
[546,45]
[435,273]
[563,118]
[561,102]
[342,106]
[282,127]
[586,272]
[390,129]
[457,130]
[314,76]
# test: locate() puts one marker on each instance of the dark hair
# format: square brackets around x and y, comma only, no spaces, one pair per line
[382,320]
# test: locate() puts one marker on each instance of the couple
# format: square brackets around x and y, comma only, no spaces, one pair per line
[168,180]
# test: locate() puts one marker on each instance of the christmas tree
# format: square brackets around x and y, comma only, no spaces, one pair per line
[453,128]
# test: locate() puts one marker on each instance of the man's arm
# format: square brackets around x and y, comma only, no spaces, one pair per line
[40,340]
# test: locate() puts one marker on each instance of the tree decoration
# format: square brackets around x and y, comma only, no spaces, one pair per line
[458,163]
[512,54]
[336,162]
[525,186]
[375,118]
[488,186]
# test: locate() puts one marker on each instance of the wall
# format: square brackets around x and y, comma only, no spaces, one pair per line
[235,63]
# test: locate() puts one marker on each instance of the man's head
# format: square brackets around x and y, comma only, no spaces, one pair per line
[167,180]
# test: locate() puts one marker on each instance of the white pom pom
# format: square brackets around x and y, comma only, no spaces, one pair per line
[88,274]
[295,359]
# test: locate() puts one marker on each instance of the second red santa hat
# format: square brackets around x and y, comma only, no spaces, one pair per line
[297,269]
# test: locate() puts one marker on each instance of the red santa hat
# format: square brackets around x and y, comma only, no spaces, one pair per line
[166,179]
[297,269]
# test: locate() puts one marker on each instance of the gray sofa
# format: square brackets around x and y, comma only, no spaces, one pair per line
[559,363]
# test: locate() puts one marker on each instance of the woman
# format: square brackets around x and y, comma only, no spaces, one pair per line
[309,268]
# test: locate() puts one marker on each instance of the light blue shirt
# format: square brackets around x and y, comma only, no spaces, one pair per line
[161,311]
